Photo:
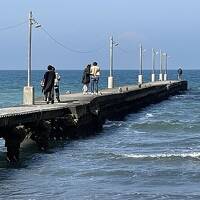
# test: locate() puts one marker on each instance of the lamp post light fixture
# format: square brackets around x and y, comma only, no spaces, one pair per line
[153,75]
[28,96]
[161,66]
[140,76]
[110,77]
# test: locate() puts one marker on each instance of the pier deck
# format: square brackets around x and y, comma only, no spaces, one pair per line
[78,115]
[68,100]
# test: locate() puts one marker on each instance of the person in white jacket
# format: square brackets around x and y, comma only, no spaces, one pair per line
[95,73]
[56,85]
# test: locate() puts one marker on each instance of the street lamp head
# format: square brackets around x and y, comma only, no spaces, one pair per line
[116,44]
[38,26]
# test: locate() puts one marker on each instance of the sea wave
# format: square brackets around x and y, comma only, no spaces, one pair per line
[163,155]
[167,126]
[110,124]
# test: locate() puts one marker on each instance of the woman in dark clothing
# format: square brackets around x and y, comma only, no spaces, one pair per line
[48,88]
[86,79]
[180,72]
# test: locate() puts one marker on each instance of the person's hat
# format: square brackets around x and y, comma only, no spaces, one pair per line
[50,67]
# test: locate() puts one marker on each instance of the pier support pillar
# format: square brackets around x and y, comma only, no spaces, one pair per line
[140,79]
[160,77]
[13,138]
[28,95]
[110,82]
[41,133]
[153,77]
[165,77]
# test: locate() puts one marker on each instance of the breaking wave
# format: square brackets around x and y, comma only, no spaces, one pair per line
[163,155]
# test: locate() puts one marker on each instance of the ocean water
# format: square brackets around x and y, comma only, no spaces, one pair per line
[151,154]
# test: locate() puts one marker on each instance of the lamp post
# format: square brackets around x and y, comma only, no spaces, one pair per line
[28,95]
[140,76]
[166,62]
[29,48]
[161,66]
[110,77]
[153,75]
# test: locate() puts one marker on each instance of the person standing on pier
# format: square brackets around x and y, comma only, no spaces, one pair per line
[180,73]
[56,85]
[48,89]
[86,79]
[95,73]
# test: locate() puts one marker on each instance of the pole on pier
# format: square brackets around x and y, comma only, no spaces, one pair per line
[161,66]
[29,49]
[140,76]
[165,74]
[28,96]
[110,78]
[153,75]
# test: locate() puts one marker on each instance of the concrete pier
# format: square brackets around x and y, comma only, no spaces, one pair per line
[77,115]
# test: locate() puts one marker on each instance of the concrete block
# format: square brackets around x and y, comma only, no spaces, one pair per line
[140,79]
[28,95]
[110,82]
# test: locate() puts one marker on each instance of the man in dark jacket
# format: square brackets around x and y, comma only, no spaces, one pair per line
[86,79]
[48,88]
[180,72]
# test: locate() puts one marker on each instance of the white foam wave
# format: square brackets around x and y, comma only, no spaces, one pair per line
[110,124]
[148,115]
[164,155]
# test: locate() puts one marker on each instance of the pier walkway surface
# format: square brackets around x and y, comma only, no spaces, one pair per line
[77,115]
[68,100]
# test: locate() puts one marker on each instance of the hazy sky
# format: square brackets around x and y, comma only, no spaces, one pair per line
[86,25]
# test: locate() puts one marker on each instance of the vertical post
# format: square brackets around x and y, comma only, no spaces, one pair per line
[161,63]
[110,78]
[141,59]
[140,76]
[28,93]
[166,62]
[29,48]
[165,74]
[111,56]
[153,76]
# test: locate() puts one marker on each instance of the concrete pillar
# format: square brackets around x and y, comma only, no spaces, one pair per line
[140,79]
[153,77]
[110,82]
[160,77]
[28,96]
[165,77]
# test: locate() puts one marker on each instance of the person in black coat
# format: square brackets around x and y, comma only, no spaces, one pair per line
[86,79]
[48,89]
[180,72]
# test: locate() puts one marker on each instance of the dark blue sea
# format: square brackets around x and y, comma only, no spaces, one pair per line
[151,154]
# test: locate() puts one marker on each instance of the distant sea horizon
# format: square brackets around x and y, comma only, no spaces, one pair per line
[151,154]
[187,69]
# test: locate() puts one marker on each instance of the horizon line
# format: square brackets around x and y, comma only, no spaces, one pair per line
[102,69]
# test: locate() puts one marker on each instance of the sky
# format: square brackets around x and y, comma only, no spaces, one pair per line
[74,33]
